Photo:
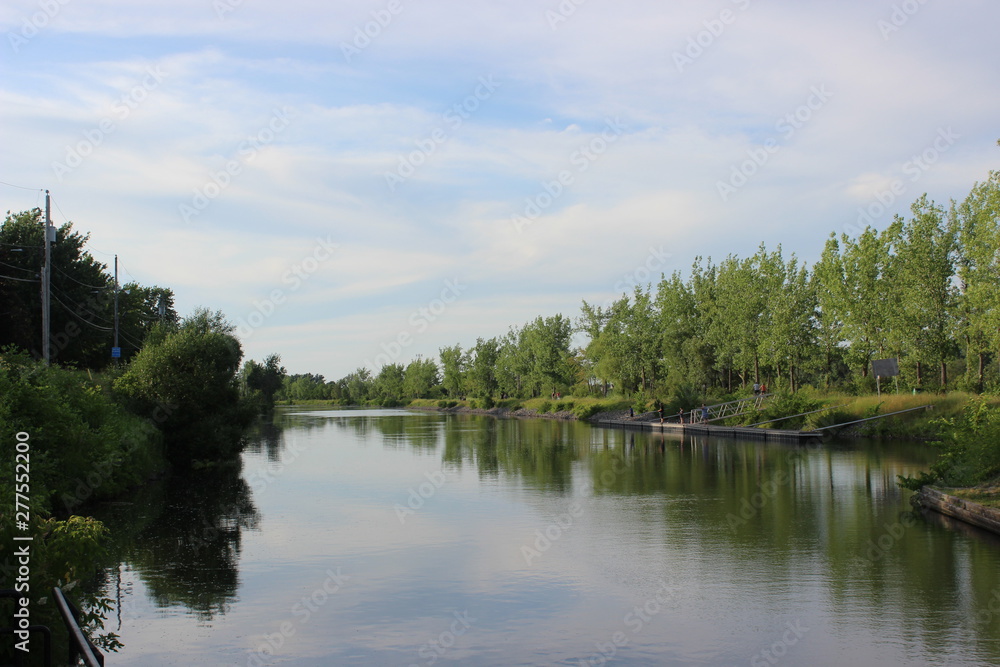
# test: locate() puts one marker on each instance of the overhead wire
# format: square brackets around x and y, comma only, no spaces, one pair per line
[23,280]
[19,268]
[81,283]
[20,187]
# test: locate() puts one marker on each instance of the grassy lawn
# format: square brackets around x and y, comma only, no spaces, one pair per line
[985,494]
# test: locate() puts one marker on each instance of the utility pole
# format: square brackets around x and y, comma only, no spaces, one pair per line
[46,282]
[116,303]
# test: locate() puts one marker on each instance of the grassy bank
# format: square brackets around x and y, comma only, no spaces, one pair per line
[569,406]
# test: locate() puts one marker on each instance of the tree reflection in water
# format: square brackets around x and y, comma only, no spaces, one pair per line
[183,537]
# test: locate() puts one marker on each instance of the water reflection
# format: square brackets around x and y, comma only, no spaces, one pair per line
[753,536]
[183,538]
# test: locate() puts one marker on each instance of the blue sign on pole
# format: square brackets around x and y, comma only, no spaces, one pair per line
[116,353]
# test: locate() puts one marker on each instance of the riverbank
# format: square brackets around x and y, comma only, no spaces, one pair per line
[831,409]
[984,512]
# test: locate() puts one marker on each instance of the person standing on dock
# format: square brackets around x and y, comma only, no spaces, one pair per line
[659,410]
[680,415]
[704,414]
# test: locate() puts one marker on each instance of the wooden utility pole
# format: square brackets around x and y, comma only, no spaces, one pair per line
[47,282]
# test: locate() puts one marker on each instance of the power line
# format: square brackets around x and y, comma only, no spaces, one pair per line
[23,280]
[20,268]
[20,187]
[19,245]
[80,317]
[80,283]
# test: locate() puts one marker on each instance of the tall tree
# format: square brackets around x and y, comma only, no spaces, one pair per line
[923,280]
[977,223]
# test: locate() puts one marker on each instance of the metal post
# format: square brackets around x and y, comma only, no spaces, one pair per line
[116,300]
[46,283]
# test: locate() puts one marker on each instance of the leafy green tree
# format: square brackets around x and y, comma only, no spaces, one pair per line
[420,379]
[867,297]
[82,297]
[188,381]
[547,343]
[482,379]
[387,388]
[923,282]
[788,338]
[356,388]
[828,288]
[977,223]
[260,382]
[453,364]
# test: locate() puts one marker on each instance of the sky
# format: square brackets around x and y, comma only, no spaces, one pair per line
[362,182]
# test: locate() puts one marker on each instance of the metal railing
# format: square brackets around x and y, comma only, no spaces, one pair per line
[80,647]
[729,409]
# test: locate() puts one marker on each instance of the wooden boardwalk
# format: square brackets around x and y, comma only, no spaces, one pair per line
[739,432]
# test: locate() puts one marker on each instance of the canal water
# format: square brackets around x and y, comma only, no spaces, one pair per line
[390,537]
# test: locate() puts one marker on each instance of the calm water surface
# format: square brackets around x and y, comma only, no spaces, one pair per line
[406,538]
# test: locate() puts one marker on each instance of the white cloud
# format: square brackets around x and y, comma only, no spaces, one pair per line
[324,174]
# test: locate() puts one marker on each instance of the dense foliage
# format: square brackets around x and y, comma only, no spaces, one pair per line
[186,379]
[82,297]
[970,450]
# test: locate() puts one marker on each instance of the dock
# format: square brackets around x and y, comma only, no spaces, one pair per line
[738,432]
[720,412]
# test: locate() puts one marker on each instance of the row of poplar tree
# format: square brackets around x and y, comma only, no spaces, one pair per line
[925,290]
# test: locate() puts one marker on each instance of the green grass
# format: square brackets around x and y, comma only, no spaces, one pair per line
[985,494]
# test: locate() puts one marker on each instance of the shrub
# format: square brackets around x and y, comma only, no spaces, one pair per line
[971,448]
[544,406]
[190,377]
[82,445]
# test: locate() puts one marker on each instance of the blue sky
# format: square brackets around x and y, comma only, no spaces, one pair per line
[465,167]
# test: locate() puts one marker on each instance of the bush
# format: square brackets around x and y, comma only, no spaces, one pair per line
[186,381]
[83,446]
[971,448]
[544,406]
